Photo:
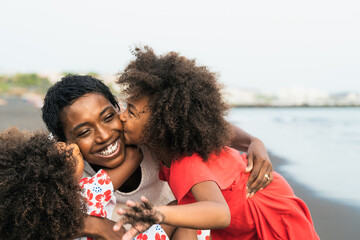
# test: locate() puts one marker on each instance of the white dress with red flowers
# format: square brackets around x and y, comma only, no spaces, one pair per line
[99,194]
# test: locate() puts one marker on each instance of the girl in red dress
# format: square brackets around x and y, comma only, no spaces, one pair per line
[175,108]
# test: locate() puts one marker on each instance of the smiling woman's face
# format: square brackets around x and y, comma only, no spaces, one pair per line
[94,125]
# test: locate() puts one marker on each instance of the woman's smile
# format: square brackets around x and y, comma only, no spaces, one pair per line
[111,150]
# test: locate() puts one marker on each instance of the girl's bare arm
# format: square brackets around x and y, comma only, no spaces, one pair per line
[119,174]
[209,212]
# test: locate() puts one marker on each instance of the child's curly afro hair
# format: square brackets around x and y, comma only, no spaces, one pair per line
[39,195]
[185,100]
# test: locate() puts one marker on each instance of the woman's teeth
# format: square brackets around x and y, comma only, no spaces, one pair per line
[110,149]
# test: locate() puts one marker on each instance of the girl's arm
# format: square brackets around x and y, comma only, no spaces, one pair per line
[209,212]
[258,159]
[119,174]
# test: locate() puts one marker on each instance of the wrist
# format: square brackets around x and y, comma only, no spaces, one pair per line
[93,226]
[161,212]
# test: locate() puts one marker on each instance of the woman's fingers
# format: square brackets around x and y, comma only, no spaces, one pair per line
[250,164]
[260,177]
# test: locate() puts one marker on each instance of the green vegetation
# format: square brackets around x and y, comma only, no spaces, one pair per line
[24,82]
[21,83]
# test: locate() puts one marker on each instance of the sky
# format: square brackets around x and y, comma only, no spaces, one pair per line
[255,45]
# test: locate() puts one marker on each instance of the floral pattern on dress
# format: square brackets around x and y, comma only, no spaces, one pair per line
[155,232]
[99,194]
[203,234]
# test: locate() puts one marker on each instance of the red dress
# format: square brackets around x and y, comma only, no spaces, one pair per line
[273,213]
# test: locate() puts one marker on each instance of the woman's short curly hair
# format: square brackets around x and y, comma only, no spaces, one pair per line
[39,195]
[185,100]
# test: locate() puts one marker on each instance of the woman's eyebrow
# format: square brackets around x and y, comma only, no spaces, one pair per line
[104,110]
[79,126]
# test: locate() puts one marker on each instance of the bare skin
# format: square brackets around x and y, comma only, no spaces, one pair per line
[209,212]
[259,162]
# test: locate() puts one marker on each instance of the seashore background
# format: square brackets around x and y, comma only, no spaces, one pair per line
[333,220]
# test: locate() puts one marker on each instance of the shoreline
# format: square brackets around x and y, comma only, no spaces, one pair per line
[333,220]
[295,106]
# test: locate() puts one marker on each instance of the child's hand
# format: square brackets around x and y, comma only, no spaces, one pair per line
[141,215]
[61,146]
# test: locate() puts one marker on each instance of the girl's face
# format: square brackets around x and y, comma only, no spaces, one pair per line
[134,119]
[93,124]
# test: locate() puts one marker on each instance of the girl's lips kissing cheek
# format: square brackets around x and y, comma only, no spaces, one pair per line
[111,150]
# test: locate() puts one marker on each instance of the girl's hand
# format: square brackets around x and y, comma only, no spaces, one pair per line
[260,167]
[141,215]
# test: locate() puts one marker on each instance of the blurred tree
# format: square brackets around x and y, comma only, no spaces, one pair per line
[29,81]
[94,74]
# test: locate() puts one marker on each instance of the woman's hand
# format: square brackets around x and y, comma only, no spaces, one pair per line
[260,167]
[141,215]
[259,164]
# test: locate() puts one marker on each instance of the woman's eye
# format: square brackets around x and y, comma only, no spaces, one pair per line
[83,133]
[109,117]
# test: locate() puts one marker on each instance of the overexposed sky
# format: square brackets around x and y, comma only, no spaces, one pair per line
[263,45]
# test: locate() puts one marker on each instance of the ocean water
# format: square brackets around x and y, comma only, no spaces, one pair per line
[321,145]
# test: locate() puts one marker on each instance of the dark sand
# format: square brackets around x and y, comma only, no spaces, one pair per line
[333,220]
[20,113]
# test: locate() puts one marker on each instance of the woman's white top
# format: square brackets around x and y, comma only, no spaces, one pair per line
[158,192]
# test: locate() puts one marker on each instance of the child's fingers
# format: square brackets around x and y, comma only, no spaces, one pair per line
[118,224]
[60,146]
[121,211]
[130,203]
[130,234]
[146,203]
[135,206]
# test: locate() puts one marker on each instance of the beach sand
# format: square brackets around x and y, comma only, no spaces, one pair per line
[333,220]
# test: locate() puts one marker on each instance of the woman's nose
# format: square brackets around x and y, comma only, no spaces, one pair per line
[103,134]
